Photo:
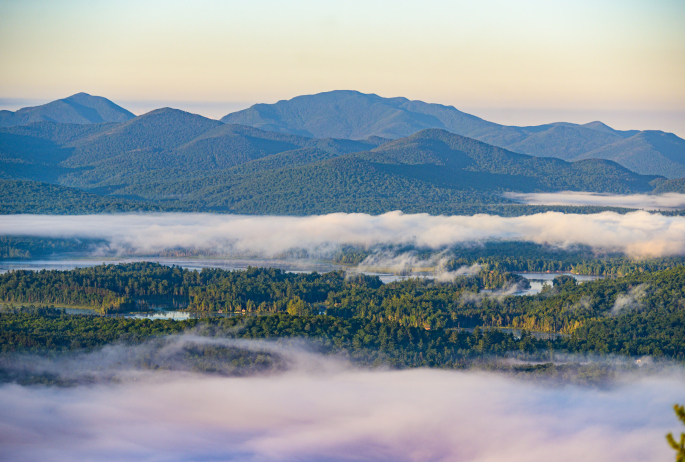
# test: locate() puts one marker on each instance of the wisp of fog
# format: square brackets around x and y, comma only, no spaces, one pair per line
[667,201]
[324,409]
[639,234]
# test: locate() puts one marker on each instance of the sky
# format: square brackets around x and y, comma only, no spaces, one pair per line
[523,62]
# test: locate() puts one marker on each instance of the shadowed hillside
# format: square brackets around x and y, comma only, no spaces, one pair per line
[432,171]
[651,152]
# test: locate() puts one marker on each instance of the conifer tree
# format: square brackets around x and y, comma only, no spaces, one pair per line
[678,446]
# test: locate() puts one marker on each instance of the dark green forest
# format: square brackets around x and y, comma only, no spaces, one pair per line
[366,343]
[24,196]
[639,314]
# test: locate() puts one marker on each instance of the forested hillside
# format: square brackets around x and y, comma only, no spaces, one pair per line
[169,159]
[173,160]
[649,152]
[21,196]
[343,115]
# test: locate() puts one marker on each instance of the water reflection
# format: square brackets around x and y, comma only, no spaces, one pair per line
[173,315]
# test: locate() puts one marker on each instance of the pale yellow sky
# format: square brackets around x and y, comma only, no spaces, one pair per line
[620,57]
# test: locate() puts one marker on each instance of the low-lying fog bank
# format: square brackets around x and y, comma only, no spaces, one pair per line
[667,201]
[323,409]
[637,234]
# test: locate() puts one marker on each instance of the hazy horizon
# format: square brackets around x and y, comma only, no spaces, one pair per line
[517,64]
[667,121]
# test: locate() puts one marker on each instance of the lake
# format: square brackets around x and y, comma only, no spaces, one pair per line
[293,266]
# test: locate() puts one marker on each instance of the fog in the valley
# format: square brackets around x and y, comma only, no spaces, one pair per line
[638,234]
[630,301]
[433,266]
[667,201]
[321,408]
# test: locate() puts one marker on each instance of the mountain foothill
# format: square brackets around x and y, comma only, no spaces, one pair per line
[340,151]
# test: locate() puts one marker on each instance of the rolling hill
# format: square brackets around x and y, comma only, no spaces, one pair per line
[355,115]
[80,108]
[166,141]
[650,152]
[432,171]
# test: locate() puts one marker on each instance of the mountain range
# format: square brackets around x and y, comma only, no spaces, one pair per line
[176,160]
[344,114]
[355,115]
[169,159]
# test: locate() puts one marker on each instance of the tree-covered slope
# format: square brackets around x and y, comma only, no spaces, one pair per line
[676,185]
[21,196]
[194,163]
[564,141]
[80,108]
[650,152]
[432,171]
[231,145]
[97,155]
[162,129]
[464,162]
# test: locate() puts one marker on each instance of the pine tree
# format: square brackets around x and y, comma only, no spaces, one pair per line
[679,447]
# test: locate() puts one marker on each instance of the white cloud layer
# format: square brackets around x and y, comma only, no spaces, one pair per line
[338,415]
[668,201]
[639,234]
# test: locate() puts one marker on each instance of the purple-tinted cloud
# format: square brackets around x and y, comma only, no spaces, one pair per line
[338,415]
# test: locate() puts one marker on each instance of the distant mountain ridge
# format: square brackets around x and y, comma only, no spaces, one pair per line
[355,115]
[97,155]
[80,108]
[337,115]
[172,159]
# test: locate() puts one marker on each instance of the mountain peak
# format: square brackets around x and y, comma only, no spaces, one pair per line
[80,108]
[81,94]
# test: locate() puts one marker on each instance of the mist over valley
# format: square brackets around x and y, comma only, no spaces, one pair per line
[340,257]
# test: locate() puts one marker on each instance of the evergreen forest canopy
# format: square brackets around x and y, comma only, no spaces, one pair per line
[422,321]
[413,323]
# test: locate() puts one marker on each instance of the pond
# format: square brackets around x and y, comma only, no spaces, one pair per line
[538,280]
